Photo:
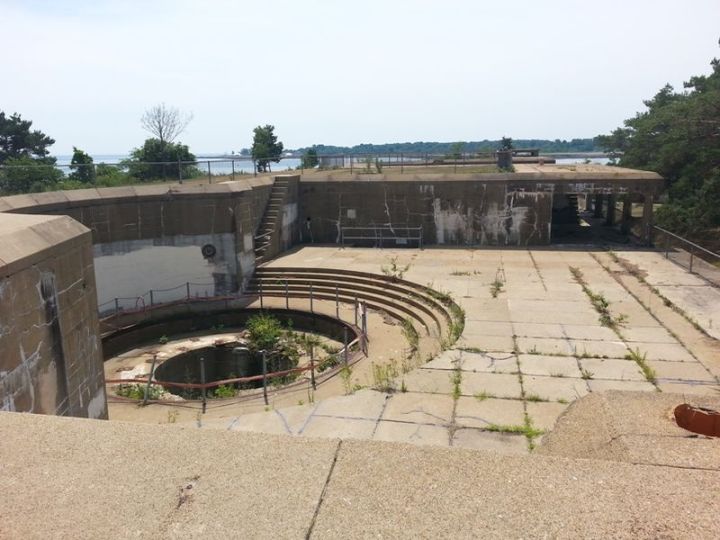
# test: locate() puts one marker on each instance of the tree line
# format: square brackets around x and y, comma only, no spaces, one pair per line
[678,136]
[27,166]
[467,147]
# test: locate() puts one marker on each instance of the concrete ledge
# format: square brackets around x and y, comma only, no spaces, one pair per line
[66,477]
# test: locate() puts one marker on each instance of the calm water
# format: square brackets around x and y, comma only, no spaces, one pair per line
[217,165]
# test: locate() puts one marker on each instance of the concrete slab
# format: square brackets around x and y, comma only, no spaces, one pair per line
[429,380]
[539,330]
[589,332]
[473,412]
[700,389]
[486,343]
[597,385]
[605,349]
[651,334]
[519,496]
[547,346]
[663,351]
[421,434]
[367,404]
[82,481]
[544,415]
[555,388]
[688,371]
[608,368]
[549,366]
[491,362]
[331,427]
[494,384]
[419,408]
[502,443]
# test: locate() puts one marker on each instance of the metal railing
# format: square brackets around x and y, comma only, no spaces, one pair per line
[400,236]
[689,255]
[349,353]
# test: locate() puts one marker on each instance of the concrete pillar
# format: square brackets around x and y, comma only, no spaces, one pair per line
[610,217]
[626,215]
[588,202]
[597,205]
[647,219]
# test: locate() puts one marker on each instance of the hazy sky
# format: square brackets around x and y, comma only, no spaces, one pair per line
[339,72]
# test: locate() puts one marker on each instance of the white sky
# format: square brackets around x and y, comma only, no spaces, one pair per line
[337,72]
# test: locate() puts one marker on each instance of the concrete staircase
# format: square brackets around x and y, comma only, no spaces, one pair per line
[271,221]
[399,299]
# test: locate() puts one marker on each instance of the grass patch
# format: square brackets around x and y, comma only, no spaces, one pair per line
[384,376]
[641,360]
[455,380]
[585,374]
[482,396]
[600,303]
[411,335]
[535,398]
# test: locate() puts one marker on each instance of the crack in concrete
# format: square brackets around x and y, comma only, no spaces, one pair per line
[324,490]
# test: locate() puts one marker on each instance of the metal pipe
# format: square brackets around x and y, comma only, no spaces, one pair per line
[312,366]
[147,386]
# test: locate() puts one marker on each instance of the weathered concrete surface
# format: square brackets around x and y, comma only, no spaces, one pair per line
[635,428]
[50,356]
[85,479]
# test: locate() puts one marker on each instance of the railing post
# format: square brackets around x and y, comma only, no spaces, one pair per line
[202,380]
[667,246]
[261,294]
[691,259]
[187,288]
[233,168]
[312,366]
[356,310]
[117,306]
[287,297]
[311,298]
[337,303]
[264,372]
[150,378]
[209,174]
[345,342]
[152,300]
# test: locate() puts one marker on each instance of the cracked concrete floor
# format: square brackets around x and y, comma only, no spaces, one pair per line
[533,343]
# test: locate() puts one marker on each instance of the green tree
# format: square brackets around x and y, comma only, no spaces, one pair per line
[156,159]
[456,150]
[265,147]
[26,175]
[678,137]
[310,159]
[82,166]
[18,140]
[506,143]
[26,165]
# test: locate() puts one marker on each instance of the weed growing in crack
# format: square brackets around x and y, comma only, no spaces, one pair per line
[600,303]
[563,401]
[585,374]
[456,380]
[482,396]
[641,360]
[384,376]
[394,269]
[535,398]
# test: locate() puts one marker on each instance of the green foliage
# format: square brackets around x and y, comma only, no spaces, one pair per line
[265,147]
[224,391]
[25,174]
[444,148]
[82,167]
[17,140]
[310,159]
[265,333]
[677,137]
[394,269]
[506,143]
[456,150]
[411,335]
[137,391]
[384,376]
[157,159]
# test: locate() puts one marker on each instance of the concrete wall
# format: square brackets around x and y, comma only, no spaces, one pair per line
[50,353]
[449,212]
[151,237]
